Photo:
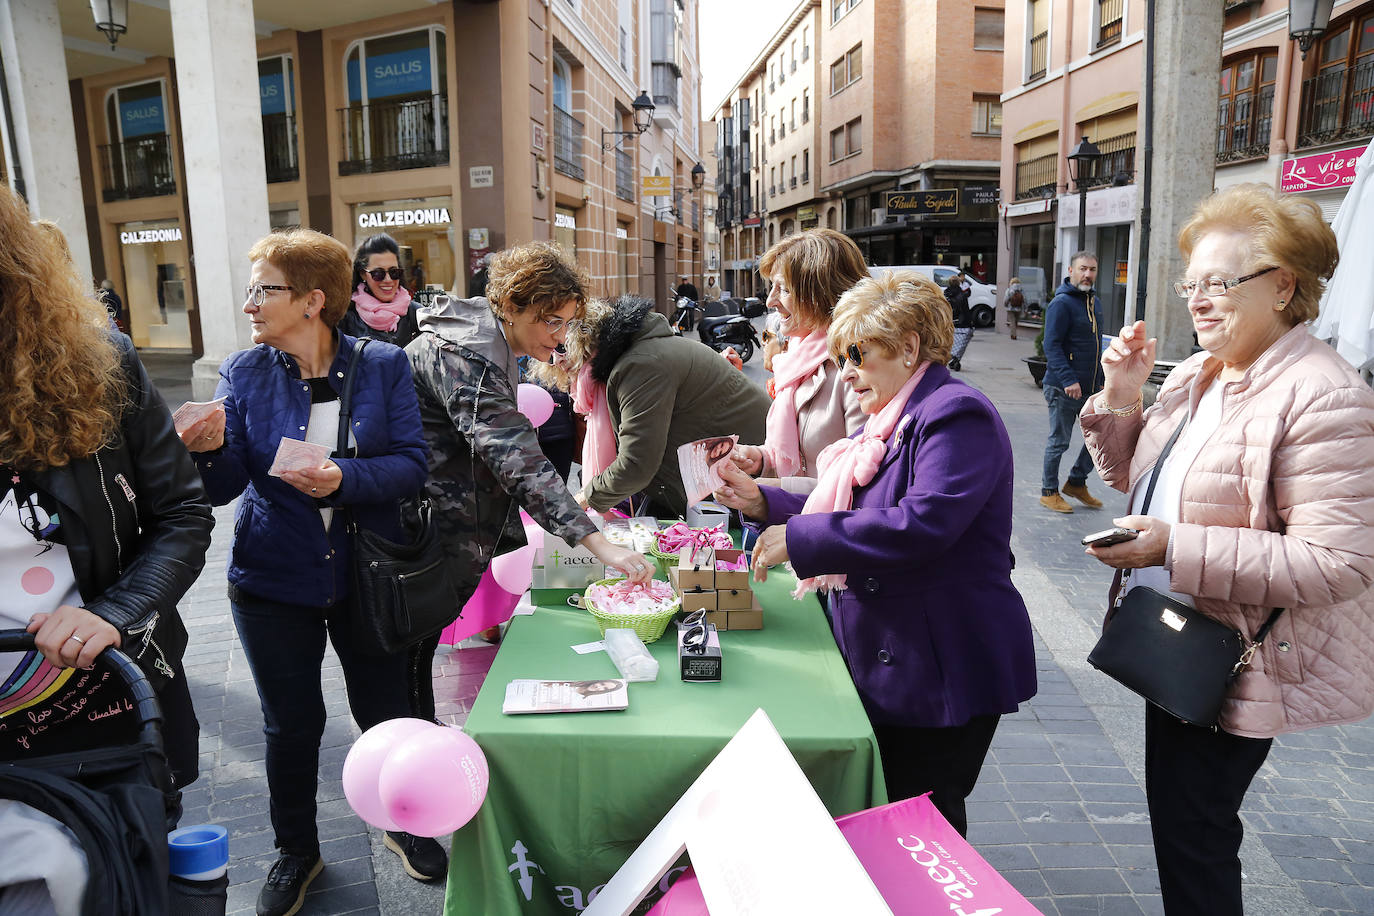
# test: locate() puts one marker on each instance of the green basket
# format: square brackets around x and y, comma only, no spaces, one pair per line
[648,627]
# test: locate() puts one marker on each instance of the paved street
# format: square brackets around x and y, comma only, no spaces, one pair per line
[1060,809]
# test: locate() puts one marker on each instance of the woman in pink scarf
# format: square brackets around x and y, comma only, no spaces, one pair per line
[381,307]
[909,530]
[808,272]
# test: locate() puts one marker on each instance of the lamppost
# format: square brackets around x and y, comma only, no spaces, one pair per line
[1307,20]
[1081,162]
[111,17]
[643,116]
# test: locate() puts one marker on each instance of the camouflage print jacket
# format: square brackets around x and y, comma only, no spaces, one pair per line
[484,456]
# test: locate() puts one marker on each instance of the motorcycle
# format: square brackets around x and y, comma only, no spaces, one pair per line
[719,332]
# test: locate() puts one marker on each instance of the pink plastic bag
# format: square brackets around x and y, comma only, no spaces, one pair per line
[918,862]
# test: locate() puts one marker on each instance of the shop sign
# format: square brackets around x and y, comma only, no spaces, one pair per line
[1109,206]
[753,221]
[481,176]
[479,238]
[621,233]
[398,73]
[805,213]
[563,220]
[273,90]
[1334,169]
[430,216]
[940,241]
[981,196]
[656,185]
[142,117]
[150,236]
[936,202]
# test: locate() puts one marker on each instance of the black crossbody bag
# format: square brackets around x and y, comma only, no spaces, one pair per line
[402,593]
[1173,655]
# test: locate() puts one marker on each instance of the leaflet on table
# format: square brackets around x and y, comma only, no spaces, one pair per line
[697,461]
[298,455]
[192,412]
[526,696]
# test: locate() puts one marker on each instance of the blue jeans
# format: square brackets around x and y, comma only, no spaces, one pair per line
[1063,418]
[285,648]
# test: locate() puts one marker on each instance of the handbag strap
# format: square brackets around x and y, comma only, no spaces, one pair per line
[346,395]
[1159,464]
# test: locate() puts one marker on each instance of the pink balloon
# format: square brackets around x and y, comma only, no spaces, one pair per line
[434,782]
[534,402]
[515,570]
[364,764]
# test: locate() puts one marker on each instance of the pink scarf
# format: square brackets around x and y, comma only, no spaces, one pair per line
[848,463]
[379,315]
[589,399]
[782,441]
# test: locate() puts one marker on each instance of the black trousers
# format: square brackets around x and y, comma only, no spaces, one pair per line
[420,677]
[1195,781]
[942,761]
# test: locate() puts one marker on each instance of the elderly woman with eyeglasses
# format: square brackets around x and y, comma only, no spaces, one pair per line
[909,531]
[1264,500]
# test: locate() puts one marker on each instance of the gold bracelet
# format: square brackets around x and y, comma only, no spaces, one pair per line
[1120,411]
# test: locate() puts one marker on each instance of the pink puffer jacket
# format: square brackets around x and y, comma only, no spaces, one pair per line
[1277,511]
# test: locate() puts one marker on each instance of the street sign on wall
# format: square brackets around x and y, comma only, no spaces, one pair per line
[656,185]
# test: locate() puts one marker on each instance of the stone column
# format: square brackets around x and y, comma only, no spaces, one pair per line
[41,108]
[1187,69]
[226,178]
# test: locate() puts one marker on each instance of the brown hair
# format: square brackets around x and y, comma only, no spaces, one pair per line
[61,387]
[882,311]
[538,276]
[310,260]
[819,266]
[579,346]
[1282,230]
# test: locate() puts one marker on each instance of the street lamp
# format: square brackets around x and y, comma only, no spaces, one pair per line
[1081,162]
[643,116]
[111,17]
[698,176]
[1307,20]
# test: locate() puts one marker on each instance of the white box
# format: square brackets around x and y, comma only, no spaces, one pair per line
[556,565]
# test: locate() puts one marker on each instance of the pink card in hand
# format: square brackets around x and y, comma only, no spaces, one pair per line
[296,455]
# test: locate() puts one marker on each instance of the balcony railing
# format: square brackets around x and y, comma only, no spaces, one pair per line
[806,53]
[1243,126]
[1108,22]
[1039,55]
[782,129]
[391,136]
[567,145]
[772,190]
[279,147]
[624,175]
[806,177]
[1337,105]
[1117,163]
[806,113]
[1037,177]
[792,182]
[141,167]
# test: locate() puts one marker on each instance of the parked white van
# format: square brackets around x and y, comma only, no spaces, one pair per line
[982,297]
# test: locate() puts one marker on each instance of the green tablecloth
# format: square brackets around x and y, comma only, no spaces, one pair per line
[573,794]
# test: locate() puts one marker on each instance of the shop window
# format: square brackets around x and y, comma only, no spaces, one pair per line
[1338,100]
[988,29]
[137,160]
[397,114]
[277,96]
[1245,107]
[987,115]
[565,230]
[423,228]
[156,285]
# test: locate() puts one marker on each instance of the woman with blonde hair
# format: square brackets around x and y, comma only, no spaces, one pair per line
[908,529]
[1257,495]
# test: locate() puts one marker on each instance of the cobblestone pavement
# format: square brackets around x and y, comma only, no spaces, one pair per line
[1060,808]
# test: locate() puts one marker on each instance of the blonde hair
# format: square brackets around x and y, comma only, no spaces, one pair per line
[309,261]
[535,276]
[819,266]
[882,311]
[61,386]
[1283,230]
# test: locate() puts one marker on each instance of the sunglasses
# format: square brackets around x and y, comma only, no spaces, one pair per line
[852,354]
[694,637]
[378,274]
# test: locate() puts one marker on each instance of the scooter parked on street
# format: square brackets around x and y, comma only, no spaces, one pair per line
[716,327]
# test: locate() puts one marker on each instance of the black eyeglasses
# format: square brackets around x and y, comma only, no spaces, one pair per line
[379,274]
[852,354]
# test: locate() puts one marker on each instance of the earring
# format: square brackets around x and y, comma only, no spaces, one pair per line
[907,363]
[307,315]
[1282,303]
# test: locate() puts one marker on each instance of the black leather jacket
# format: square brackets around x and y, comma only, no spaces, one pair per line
[137,525]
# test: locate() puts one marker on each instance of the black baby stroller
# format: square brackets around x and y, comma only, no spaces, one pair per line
[115,796]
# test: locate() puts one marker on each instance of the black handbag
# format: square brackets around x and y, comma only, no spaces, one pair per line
[1173,655]
[402,593]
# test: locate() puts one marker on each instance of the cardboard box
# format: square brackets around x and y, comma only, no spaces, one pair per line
[734,580]
[734,599]
[751,619]
[718,619]
[698,601]
[699,573]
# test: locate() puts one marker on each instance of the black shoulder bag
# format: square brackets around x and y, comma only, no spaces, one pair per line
[402,593]
[1173,655]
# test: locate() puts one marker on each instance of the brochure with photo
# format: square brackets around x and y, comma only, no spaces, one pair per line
[525,696]
[697,461]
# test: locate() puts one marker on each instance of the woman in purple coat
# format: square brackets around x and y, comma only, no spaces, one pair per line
[909,530]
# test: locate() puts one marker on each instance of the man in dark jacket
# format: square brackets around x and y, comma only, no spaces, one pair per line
[687,289]
[1073,349]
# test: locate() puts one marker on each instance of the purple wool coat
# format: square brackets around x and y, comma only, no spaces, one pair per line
[931,627]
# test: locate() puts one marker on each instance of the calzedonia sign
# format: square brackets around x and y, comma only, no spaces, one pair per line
[149,236]
[430,216]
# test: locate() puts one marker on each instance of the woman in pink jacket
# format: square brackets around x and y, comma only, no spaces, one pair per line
[1265,500]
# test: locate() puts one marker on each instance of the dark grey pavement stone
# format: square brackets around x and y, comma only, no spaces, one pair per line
[1074,855]
[1095,881]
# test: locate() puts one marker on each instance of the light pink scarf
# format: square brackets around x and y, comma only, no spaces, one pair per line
[782,440]
[589,399]
[379,315]
[851,463]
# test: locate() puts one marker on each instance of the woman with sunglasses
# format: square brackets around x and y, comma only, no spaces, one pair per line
[909,530]
[289,565]
[485,461]
[381,307]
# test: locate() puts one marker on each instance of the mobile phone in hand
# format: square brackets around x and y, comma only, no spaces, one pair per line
[1109,537]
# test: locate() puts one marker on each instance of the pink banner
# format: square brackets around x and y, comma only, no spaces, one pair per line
[1333,169]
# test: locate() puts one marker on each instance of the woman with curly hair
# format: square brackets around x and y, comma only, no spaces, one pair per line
[104,523]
